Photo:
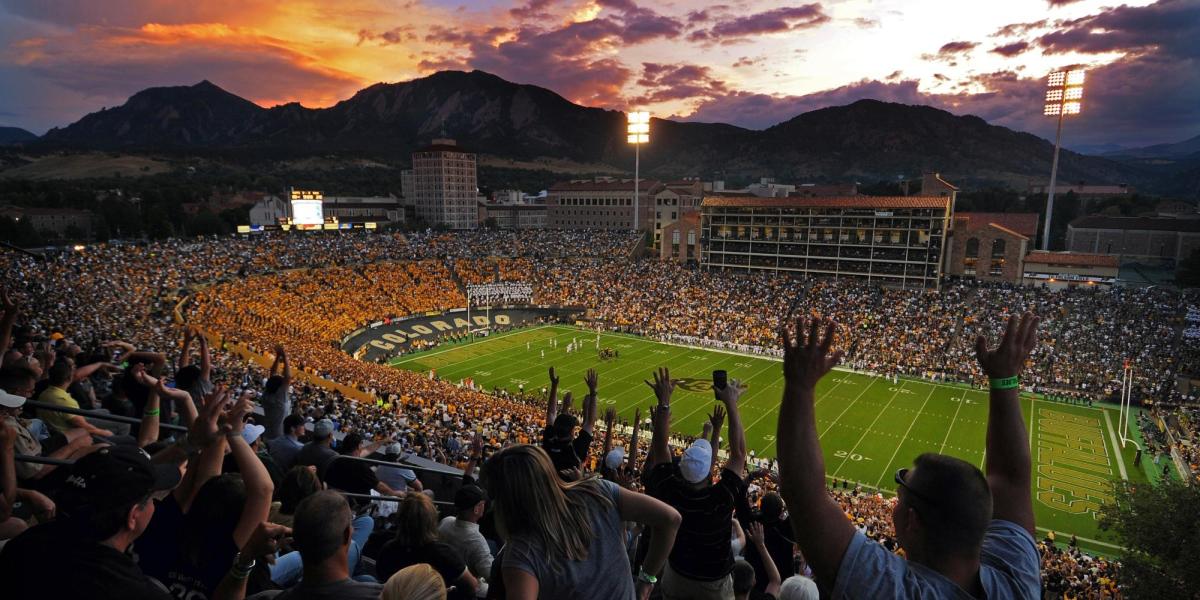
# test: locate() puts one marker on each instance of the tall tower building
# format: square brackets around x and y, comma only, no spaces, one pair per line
[445,187]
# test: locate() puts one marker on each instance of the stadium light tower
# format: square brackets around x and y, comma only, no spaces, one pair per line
[1064,96]
[638,133]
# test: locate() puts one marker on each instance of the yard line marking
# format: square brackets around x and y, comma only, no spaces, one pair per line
[852,403]
[768,413]
[961,402]
[868,429]
[905,437]
[1112,436]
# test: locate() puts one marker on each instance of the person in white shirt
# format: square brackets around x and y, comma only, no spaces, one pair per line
[461,532]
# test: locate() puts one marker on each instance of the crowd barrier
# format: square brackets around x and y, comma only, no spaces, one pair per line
[445,481]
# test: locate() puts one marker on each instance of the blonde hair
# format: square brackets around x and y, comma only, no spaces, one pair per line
[416,518]
[417,582]
[531,500]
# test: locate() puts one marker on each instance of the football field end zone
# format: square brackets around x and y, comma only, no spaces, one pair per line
[1036,402]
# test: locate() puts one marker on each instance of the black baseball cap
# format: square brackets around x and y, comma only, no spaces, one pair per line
[468,496]
[114,476]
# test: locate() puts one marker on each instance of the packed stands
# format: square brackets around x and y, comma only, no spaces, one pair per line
[98,327]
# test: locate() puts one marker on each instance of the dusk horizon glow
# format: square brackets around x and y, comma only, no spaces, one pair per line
[751,63]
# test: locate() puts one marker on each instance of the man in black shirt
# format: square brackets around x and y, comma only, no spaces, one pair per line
[567,450]
[107,503]
[355,476]
[702,559]
[778,542]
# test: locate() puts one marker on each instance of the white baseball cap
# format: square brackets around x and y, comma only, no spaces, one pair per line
[696,462]
[615,457]
[251,431]
[8,400]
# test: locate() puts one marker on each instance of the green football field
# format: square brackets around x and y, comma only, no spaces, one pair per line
[869,426]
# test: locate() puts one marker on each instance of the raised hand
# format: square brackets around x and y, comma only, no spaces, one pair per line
[807,358]
[610,417]
[663,386]
[591,379]
[205,429]
[1008,359]
[755,534]
[139,375]
[553,378]
[733,390]
[717,418]
[568,398]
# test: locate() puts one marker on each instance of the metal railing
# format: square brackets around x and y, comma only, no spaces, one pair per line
[447,473]
[103,416]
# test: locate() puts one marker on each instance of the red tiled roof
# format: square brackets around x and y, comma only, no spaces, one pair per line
[879,202]
[603,186]
[1071,259]
[1025,224]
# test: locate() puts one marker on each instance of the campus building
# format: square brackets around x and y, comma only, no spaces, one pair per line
[444,185]
[602,204]
[990,246]
[1058,270]
[887,240]
[1135,239]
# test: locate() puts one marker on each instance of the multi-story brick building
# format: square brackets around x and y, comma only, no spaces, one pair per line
[444,185]
[990,246]
[603,204]
[680,240]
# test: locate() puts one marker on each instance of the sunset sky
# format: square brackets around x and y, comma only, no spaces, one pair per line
[752,63]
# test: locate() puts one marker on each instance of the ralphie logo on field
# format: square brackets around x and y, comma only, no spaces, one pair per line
[1074,473]
[398,336]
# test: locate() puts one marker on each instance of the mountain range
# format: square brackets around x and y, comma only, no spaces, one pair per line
[15,135]
[868,140]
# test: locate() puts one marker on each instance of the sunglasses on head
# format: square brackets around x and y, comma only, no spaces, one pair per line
[901,477]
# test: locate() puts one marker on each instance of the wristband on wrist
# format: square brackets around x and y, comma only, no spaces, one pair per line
[239,571]
[645,577]
[1004,383]
[151,413]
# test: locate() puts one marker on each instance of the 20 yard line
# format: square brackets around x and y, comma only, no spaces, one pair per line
[868,429]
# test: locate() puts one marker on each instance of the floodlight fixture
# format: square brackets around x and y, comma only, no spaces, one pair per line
[637,133]
[1063,97]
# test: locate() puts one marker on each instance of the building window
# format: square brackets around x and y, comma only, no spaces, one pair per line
[998,249]
[973,248]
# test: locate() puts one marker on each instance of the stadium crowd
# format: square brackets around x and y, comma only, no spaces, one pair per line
[95,328]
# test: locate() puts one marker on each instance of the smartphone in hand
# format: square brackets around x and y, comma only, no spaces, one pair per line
[720,380]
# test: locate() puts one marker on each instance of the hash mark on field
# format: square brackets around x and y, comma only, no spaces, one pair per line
[952,422]
[848,406]
[888,464]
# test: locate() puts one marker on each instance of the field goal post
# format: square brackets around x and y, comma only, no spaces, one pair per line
[488,295]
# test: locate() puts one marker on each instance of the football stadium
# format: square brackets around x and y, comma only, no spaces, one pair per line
[412,373]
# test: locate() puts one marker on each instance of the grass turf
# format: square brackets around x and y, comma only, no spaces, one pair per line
[869,426]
